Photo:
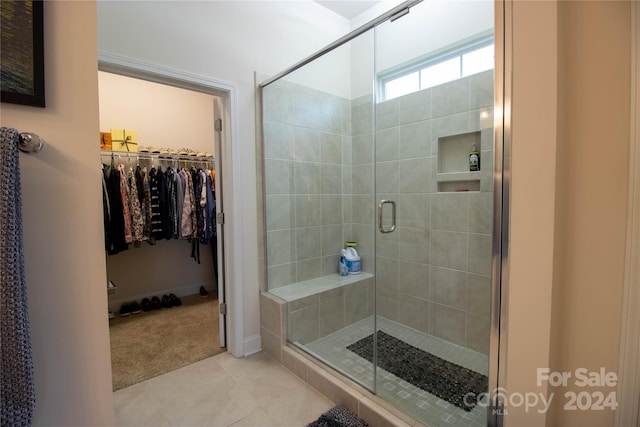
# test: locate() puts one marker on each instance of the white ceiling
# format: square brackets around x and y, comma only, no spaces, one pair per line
[348,9]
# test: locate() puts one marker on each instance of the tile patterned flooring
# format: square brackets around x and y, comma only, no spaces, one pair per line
[419,404]
[222,391]
[257,391]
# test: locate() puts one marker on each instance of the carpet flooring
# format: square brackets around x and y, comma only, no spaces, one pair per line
[430,373]
[152,343]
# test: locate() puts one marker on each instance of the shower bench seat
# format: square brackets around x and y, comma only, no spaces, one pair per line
[321,306]
[320,285]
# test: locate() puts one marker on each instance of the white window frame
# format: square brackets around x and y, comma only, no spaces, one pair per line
[417,66]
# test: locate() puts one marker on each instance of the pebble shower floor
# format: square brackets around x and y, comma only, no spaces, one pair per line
[419,404]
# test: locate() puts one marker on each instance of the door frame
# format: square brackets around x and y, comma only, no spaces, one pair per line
[218,114]
[628,391]
[228,159]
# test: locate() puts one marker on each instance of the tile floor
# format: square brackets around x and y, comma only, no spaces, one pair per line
[222,391]
[417,403]
[257,391]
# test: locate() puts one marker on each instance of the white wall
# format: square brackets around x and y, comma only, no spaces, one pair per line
[330,73]
[429,26]
[63,238]
[227,41]
[162,115]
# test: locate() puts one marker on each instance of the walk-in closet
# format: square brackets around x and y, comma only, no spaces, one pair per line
[162,248]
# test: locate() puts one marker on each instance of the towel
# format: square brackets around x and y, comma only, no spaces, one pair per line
[16,365]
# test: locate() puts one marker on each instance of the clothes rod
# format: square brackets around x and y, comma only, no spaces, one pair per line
[30,143]
[158,156]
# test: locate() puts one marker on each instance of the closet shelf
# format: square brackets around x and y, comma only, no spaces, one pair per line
[159,156]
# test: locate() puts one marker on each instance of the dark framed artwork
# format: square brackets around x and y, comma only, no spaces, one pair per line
[22,52]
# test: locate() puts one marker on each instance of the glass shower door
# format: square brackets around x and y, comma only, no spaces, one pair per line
[387,142]
[433,201]
[318,164]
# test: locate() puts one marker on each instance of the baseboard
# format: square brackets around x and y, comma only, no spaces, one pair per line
[252,345]
[115,303]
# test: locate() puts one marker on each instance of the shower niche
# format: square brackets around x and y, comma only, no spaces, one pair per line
[453,163]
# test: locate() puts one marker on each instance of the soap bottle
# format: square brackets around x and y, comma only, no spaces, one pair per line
[352,259]
[343,270]
[474,159]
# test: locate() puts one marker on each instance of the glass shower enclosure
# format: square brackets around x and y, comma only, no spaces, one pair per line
[386,140]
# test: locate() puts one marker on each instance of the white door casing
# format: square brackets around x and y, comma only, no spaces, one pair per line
[227,159]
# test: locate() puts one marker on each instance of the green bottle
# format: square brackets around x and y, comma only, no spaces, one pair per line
[474,159]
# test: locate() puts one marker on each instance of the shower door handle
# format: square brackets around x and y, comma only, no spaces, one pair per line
[393,216]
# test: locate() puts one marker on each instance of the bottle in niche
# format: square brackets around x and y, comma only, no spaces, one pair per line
[474,159]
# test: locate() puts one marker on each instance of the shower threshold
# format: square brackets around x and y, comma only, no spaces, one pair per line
[415,402]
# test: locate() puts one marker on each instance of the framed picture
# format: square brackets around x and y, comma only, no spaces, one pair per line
[22,52]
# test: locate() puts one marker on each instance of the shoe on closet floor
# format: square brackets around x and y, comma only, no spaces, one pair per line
[156,304]
[146,304]
[125,310]
[203,292]
[111,315]
[174,300]
[135,308]
[166,301]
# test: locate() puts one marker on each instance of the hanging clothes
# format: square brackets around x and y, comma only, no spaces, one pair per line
[203,205]
[126,213]
[106,209]
[139,184]
[137,220]
[197,190]
[145,206]
[209,208]
[180,188]
[169,177]
[117,241]
[175,196]
[188,207]
[163,195]
[155,179]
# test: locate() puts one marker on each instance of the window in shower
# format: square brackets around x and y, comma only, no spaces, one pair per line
[472,58]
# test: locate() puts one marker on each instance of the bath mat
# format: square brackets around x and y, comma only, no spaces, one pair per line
[338,416]
[430,373]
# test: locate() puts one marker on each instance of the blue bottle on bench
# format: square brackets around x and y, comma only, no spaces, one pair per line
[342,265]
[352,260]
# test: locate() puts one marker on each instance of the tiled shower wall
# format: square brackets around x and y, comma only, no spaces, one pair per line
[433,271]
[306,144]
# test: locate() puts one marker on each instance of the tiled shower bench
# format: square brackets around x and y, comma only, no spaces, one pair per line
[316,308]
[320,306]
